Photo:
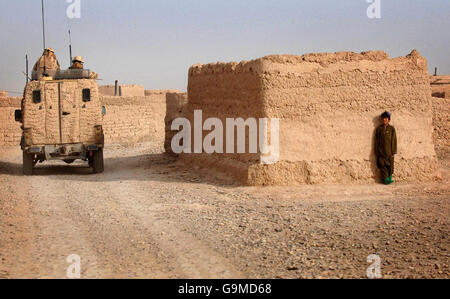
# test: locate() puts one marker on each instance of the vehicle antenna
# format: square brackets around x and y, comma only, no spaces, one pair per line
[70,47]
[43,34]
[26,66]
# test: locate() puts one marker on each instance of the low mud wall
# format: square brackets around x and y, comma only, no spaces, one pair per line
[130,120]
[440,86]
[10,131]
[122,90]
[176,104]
[441,123]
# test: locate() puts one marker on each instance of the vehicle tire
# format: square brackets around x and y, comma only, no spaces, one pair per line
[69,161]
[97,161]
[28,163]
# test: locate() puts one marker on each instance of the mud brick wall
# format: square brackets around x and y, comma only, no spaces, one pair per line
[125,90]
[329,107]
[440,86]
[225,90]
[441,122]
[160,92]
[176,104]
[10,131]
[130,120]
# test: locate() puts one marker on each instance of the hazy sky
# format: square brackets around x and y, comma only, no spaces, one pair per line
[153,43]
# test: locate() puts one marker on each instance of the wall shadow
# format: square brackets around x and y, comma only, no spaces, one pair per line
[10,168]
[153,167]
[373,158]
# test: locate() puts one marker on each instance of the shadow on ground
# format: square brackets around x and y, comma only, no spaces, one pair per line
[153,167]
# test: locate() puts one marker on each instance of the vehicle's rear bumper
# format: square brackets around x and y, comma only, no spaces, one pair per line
[63,151]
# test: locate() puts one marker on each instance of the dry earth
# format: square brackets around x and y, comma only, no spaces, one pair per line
[150,216]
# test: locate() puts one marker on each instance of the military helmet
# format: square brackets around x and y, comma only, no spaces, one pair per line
[78,59]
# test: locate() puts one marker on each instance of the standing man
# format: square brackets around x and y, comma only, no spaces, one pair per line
[386,148]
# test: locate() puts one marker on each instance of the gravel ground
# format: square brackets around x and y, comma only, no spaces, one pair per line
[150,216]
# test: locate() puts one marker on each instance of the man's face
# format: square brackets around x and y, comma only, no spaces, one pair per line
[385,121]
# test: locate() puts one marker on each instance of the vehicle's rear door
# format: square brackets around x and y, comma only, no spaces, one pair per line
[90,112]
[51,122]
[70,115]
[41,112]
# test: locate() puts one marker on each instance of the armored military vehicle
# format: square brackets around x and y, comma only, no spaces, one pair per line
[61,119]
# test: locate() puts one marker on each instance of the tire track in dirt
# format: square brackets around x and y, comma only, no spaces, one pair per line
[188,256]
[113,226]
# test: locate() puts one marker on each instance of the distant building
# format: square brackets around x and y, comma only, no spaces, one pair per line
[440,86]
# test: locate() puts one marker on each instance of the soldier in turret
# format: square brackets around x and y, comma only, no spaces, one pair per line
[47,62]
[78,64]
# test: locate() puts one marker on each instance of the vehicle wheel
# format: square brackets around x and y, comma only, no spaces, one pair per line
[69,161]
[28,163]
[97,161]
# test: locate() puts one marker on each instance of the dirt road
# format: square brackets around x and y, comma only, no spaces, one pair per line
[148,216]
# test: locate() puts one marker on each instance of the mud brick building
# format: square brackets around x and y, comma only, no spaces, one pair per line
[328,105]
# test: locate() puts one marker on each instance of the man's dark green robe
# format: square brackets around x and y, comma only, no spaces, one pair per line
[386,148]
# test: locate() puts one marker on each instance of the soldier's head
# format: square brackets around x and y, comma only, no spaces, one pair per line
[78,59]
[49,51]
[386,118]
